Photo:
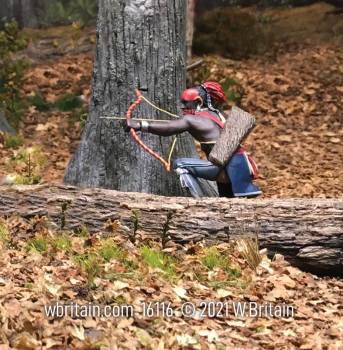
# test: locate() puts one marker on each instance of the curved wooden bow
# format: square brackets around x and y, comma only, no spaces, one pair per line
[134,105]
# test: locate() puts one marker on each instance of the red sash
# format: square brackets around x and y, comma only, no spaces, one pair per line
[209,115]
[251,163]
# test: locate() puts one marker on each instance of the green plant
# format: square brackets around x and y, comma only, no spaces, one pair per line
[68,102]
[11,71]
[233,90]
[165,238]
[58,13]
[66,12]
[158,260]
[136,226]
[28,164]
[79,115]
[62,242]
[38,244]
[120,300]
[4,233]
[213,259]
[12,141]
[89,264]
[109,251]
[28,285]
[84,11]
[39,102]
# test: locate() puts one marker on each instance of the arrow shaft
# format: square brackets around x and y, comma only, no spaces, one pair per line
[138,119]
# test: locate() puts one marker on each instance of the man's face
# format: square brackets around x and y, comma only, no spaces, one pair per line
[190,100]
[189,105]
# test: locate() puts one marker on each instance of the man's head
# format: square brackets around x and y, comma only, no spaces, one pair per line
[191,100]
[209,95]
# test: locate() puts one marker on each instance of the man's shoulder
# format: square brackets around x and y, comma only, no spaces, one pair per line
[191,118]
[199,113]
[195,122]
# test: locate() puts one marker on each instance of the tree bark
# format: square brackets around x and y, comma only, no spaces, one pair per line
[190,27]
[140,44]
[309,232]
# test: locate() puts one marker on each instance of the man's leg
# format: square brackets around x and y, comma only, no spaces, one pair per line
[240,175]
[190,169]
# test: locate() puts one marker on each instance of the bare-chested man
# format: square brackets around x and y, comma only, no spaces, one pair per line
[204,122]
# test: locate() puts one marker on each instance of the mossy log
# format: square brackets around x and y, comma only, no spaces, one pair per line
[309,232]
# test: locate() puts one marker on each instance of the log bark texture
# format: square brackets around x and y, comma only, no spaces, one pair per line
[140,44]
[190,28]
[309,232]
[237,127]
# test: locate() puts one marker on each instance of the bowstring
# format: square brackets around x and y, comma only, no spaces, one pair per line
[173,144]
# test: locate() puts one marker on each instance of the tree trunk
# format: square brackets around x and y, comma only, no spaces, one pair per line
[309,232]
[139,45]
[190,27]
[25,12]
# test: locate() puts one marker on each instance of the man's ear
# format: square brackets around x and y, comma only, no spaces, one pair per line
[201,101]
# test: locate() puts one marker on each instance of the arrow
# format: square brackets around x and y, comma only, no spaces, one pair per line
[138,119]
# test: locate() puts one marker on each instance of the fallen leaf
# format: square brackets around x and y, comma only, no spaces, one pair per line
[181,292]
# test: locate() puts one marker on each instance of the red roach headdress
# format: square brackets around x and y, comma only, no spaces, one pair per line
[208,91]
[215,91]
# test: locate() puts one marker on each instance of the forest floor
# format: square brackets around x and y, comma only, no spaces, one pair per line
[295,92]
[43,267]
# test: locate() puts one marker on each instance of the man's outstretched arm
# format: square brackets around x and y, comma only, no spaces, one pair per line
[170,128]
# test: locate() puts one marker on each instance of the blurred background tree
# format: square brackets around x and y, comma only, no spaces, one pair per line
[25,12]
[37,13]
[11,71]
[66,11]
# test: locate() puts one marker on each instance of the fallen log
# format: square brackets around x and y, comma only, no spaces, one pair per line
[309,232]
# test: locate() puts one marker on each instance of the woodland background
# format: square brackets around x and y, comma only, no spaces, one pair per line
[279,60]
[282,64]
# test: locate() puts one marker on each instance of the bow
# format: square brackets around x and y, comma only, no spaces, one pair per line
[138,140]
